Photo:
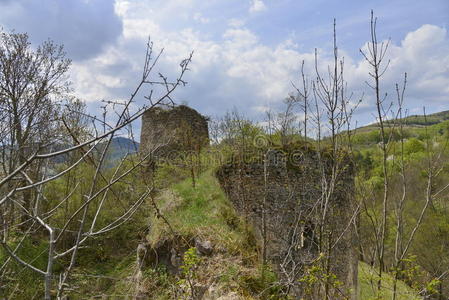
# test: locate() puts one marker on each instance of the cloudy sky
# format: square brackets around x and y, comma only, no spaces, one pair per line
[246,52]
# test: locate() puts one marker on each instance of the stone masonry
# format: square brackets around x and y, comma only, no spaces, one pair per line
[178,128]
[283,192]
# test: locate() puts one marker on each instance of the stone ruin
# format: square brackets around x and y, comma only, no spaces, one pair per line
[166,131]
[288,186]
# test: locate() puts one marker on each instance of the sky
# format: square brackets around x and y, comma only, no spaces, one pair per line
[247,53]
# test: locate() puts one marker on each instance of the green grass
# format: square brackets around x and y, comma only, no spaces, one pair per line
[200,211]
[368,286]
[30,285]
[206,212]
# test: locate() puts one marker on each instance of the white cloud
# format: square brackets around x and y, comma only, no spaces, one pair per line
[239,70]
[198,17]
[424,55]
[85,28]
[262,108]
[257,6]
[236,22]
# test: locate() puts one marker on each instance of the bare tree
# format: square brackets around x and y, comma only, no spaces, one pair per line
[82,223]
[316,244]
[303,98]
[375,59]
[332,115]
[391,123]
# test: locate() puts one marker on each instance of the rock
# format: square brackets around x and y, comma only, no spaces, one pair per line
[178,128]
[166,252]
[175,259]
[281,189]
[141,255]
[204,248]
[215,292]
[230,296]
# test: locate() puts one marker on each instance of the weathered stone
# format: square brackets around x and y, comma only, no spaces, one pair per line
[203,247]
[175,259]
[141,255]
[217,292]
[167,253]
[167,132]
[287,187]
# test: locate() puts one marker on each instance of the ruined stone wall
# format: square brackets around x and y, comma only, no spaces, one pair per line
[290,196]
[180,128]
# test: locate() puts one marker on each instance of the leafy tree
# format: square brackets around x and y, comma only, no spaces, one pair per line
[32,84]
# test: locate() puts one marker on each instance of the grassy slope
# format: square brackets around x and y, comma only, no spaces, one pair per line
[206,212]
[368,286]
[201,211]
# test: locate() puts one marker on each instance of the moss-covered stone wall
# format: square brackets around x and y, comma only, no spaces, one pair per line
[284,198]
[179,128]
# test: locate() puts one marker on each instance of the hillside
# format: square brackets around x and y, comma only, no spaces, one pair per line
[418,126]
[181,214]
[120,147]
[415,120]
[414,126]
[231,272]
[412,121]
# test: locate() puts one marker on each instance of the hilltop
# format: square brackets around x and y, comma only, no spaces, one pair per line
[416,126]
[411,122]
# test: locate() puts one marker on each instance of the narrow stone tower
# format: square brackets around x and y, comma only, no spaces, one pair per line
[166,131]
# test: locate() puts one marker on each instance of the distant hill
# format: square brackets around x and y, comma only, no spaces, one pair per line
[418,126]
[416,120]
[431,119]
[121,146]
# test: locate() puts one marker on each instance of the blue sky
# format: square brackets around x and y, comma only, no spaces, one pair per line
[247,52]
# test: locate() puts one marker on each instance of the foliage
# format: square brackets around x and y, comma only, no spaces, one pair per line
[201,211]
[32,250]
[420,144]
[316,276]
[189,268]
[368,286]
